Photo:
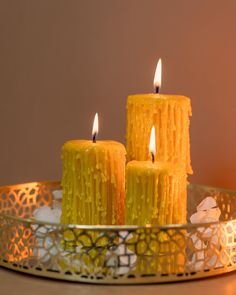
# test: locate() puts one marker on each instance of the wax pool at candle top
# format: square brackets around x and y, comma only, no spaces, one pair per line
[93,182]
[170,116]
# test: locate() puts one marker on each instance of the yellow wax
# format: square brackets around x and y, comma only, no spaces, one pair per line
[93,181]
[170,116]
[156,193]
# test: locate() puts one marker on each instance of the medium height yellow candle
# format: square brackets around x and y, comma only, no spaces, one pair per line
[170,116]
[93,182]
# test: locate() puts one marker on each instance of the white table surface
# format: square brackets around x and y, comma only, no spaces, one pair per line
[13,283]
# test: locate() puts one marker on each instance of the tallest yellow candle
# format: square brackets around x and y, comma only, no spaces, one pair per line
[170,116]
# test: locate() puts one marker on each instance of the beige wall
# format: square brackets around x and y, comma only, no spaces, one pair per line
[61,61]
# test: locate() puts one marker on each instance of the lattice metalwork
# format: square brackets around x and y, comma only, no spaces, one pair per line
[112,254]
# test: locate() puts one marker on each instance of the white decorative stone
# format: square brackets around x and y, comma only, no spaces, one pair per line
[57,214]
[210,215]
[198,217]
[125,235]
[48,214]
[57,194]
[47,248]
[207,238]
[127,259]
[206,204]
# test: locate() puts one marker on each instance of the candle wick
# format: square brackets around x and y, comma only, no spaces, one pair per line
[153,157]
[157,89]
[94,137]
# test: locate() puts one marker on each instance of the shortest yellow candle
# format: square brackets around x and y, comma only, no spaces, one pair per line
[156,193]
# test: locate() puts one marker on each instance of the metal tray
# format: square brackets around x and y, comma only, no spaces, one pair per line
[114,254]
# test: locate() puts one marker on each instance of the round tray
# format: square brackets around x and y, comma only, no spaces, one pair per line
[114,254]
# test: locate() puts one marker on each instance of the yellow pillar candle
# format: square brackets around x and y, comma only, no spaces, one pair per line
[170,116]
[156,193]
[93,182]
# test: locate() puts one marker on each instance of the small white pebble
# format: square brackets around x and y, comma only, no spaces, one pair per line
[57,194]
[56,204]
[198,217]
[124,252]
[125,235]
[210,215]
[208,232]
[47,214]
[206,204]
[207,211]
[43,214]
[57,213]
[126,258]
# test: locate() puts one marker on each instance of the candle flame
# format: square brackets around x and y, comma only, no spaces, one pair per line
[157,77]
[152,144]
[95,127]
